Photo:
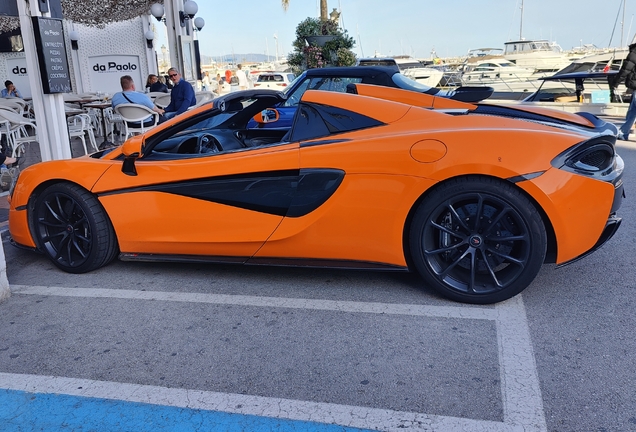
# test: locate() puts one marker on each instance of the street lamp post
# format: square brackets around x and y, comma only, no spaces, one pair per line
[179,19]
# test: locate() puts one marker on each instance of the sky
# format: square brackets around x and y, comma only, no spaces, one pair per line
[416,27]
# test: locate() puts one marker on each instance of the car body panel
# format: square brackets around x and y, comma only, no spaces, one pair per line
[562,195]
[203,204]
[177,220]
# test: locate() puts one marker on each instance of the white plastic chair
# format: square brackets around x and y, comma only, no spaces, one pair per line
[155,95]
[112,120]
[202,97]
[135,113]
[13,105]
[17,125]
[80,125]
[162,100]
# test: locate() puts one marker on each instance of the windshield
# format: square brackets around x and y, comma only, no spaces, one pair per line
[291,85]
[407,83]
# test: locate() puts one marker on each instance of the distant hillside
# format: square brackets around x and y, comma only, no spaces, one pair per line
[236,58]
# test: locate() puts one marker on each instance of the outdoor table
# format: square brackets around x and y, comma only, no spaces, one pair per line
[101,106]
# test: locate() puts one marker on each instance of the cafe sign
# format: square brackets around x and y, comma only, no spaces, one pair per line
[105,72]
[18,74]
[51,49]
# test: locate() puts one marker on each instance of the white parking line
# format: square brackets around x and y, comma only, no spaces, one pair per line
[522,402]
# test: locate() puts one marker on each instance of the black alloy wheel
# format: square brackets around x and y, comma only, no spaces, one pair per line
[478,240]
[72,229]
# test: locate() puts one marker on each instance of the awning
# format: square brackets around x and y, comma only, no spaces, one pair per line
[96,13]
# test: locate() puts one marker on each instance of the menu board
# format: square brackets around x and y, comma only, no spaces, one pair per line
[49,41]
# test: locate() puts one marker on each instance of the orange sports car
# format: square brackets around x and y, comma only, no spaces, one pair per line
[474,197]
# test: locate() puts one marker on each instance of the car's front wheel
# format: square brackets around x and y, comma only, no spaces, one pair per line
[72,229]
[477,240]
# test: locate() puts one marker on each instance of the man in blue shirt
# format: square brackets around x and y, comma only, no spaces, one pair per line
[182,95]
[130,95]
[10,90]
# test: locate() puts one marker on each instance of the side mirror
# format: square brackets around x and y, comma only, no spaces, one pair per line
[267,116]
[132,150]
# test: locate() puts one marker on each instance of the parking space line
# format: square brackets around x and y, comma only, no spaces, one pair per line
[522,401]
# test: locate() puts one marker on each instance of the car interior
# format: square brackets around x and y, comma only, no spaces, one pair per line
[215,131]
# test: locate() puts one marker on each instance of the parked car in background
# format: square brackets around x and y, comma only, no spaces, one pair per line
[336,79]
[274,80]
[475,198]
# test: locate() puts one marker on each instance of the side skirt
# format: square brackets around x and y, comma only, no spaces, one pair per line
[274,262]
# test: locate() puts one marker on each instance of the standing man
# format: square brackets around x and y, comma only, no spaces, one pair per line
[242,79]
[182,95]
[628,73]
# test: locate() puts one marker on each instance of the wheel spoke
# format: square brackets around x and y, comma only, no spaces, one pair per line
[80,221]
[60,246]
[68,247]
[473,266]
[491,271]
[459,219]
[442,250]
[506,257]
[53,212]
[50,224]
[480,211]
[448,231]
[452,265]
[508,239]
[50,237]
[79,249]
[495,221]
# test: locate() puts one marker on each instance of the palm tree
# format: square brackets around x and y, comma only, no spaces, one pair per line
[323,8]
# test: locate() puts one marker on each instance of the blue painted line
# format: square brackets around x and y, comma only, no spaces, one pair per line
[24,412]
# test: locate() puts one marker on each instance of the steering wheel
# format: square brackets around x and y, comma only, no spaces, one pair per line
[207,143]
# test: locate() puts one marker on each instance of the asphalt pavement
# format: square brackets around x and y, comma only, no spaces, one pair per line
[152,347]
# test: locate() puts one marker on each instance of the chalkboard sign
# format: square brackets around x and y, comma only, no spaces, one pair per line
[49,41]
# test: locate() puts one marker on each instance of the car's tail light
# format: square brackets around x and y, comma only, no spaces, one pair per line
[256,84]
[282,84]
[590,157]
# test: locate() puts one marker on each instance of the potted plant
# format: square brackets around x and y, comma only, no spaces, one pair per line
[321,43]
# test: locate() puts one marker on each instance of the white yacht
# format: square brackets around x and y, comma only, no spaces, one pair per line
[541,56]
[409,67]
[500,74]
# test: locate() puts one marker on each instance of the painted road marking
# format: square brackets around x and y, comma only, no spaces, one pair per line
[522,402]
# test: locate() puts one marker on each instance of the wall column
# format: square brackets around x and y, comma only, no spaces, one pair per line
[53,136]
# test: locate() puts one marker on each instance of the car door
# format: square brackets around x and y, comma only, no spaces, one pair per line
[223,203]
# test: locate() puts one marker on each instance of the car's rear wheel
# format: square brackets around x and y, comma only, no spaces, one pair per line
[72,228]
[477,240]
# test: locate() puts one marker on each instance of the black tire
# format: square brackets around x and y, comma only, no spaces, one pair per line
[477,240]
[72,229]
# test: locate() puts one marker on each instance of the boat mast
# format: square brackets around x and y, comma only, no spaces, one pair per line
[623,23]
[521,24]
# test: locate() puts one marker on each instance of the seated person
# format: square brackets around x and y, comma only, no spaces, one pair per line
[129,95]
[154,85]
[182,96]
[10,90]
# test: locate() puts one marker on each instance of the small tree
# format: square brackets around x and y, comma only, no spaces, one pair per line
[334,52]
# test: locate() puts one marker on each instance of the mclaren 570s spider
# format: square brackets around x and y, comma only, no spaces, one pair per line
[473,197]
